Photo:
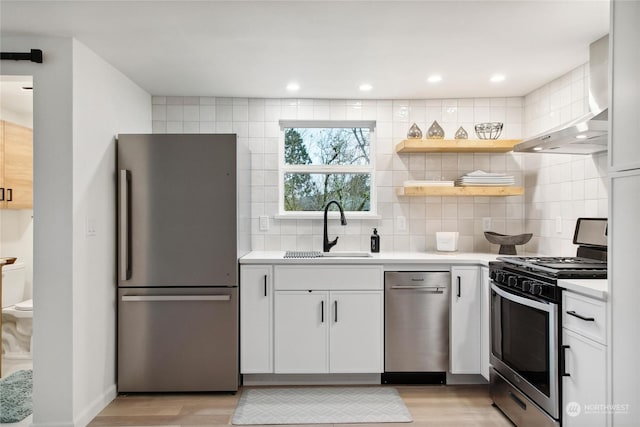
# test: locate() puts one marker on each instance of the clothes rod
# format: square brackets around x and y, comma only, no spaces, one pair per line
[34,56]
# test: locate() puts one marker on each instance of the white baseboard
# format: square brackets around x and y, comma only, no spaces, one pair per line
[309,379]
[94,407]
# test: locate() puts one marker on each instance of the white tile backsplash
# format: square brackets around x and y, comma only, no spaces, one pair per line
[560,185]
[571,187]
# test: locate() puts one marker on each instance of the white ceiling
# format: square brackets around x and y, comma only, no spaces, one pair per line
[255,48]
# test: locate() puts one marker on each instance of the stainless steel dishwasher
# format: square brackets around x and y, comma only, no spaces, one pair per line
[416,331]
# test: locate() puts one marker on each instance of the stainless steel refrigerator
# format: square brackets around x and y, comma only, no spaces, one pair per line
[182,213]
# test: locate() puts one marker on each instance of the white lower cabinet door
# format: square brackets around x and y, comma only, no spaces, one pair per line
[464,332]
[256,321]
[356,333]
[584,390]
[301,332]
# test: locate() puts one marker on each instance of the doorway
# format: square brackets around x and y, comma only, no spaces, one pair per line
[16,220]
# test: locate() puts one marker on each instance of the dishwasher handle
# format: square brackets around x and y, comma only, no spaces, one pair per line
[148,298]
[431,289]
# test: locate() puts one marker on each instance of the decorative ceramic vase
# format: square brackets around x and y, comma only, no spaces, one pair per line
[435,131]
[414,132]
[461,133]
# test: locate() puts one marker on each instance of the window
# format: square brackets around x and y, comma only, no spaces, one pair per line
[324,161]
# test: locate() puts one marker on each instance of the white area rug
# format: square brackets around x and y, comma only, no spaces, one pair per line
[321,405]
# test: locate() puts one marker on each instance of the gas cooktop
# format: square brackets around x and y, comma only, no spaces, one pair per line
[561,267]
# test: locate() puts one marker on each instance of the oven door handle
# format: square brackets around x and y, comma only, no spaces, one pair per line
[548,307]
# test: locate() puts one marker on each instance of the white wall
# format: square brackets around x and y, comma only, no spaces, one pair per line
[105,103]
[52,226]
[256,121]
[560,185]
[80,103]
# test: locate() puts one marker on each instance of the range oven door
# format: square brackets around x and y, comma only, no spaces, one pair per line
[524,343]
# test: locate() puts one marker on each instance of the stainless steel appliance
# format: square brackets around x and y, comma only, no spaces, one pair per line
[586,134]
[416,337]
[180,232]
[525,307]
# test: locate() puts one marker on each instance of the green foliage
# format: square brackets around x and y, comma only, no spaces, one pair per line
[339,146]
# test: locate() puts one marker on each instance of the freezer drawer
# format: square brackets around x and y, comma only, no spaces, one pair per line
[177,339]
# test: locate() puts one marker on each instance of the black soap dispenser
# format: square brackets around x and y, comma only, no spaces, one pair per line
[375,241]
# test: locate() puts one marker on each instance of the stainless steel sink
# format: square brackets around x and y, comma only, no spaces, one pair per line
[318,254]
[347,254]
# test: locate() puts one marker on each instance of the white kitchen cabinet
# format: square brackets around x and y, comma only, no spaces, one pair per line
[301,332]
[256,319]
[485,292]
[328,319]
[356,332]
[584,352]
[322,332]
[464,338]
[585,387]
[624,152]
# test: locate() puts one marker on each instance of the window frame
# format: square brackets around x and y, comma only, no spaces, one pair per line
[283,168]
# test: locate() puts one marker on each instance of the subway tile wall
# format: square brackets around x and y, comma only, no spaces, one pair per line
[256,121]
[559,188]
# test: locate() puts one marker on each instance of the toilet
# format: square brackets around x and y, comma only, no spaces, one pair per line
[17,314]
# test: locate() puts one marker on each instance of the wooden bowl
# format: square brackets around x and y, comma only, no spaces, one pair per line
[507,242]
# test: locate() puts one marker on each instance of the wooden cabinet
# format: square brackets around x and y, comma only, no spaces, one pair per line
[584,352]
[328,319]
[256,319]
[464,338]
[16,166]
[485,319]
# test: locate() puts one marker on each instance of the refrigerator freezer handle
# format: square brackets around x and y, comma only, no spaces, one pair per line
[125,225]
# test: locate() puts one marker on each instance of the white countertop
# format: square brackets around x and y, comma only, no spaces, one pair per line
[596,288]
[277,257]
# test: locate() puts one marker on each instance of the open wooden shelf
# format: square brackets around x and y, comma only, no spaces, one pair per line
[456,145]
[460,191]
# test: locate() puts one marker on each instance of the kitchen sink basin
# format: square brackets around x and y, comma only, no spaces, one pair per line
[347,254]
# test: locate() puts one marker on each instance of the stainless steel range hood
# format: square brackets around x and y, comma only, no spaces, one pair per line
[586,134]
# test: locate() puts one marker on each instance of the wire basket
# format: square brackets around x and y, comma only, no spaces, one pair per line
[489,130]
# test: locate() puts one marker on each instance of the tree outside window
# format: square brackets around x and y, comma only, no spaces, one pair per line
[327,163]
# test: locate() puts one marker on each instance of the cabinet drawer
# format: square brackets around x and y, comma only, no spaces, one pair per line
[334,277]
[585,316]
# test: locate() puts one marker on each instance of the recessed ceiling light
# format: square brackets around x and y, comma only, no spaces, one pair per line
[434,78]
[496,78]
[365,87]
[537,148]
[581,136]
[293,86]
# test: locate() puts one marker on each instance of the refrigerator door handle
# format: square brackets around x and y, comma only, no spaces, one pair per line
[125,224]
[147,298]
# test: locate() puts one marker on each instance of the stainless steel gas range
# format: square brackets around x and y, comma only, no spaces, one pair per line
[526,362]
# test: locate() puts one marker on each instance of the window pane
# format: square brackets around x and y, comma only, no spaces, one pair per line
[312,191]
[326,146]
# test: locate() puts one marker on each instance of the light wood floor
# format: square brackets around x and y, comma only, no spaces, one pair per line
[429,405]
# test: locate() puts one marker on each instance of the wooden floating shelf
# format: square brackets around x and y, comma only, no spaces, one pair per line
[460,191]
[456,145]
